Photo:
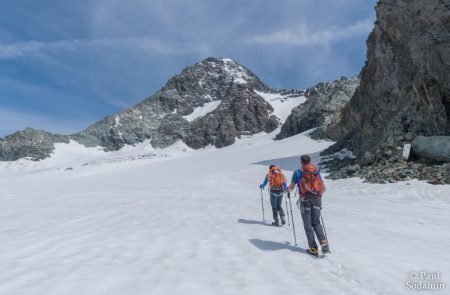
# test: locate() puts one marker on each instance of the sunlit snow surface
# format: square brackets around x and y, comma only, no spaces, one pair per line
[235,71]
[282,104]
[190,222]
[203,110]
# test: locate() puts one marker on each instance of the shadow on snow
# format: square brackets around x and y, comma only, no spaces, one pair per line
[275,246]
[290,163]
[247,221]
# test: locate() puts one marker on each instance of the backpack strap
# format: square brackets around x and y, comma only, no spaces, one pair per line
[308,186]
[298,178]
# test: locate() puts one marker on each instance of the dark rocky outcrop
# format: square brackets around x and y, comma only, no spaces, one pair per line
[405,83]
[388,167]
[242,112]
[29,143]
[322,109]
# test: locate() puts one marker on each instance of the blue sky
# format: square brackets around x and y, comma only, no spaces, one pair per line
[66,64]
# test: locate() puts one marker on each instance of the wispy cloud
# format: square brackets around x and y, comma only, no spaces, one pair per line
[303,35]
[15,50]
[78,61]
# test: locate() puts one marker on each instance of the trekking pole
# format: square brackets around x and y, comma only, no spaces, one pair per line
[262,205]
[292,216]
[321,218]
[287,211]
[325,232]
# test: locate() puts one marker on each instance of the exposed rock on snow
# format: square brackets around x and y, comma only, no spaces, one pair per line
[30,143]
[387,166]
[322,108]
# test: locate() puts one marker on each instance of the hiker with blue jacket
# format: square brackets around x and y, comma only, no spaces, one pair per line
[311,188]
[277,185]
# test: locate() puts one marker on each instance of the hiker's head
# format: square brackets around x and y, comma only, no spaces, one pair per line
[271,166]
[305,159]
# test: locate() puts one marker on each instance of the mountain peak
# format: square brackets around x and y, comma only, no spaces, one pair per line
[212,102]
[214,73]
[219,61]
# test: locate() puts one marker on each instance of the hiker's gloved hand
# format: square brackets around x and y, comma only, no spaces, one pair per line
[261,186]
[285,187]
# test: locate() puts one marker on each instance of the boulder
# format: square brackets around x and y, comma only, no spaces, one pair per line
[432,147]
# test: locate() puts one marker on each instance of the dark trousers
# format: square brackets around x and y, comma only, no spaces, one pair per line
[310,209]
[276,199]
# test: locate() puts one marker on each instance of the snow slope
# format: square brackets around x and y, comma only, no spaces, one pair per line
[282,104]
[191,223]
[203,110]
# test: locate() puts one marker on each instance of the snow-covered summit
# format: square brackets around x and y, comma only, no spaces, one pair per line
[212,102]
[237,72]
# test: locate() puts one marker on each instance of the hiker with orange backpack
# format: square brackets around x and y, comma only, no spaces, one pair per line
[311,188]
[277,185]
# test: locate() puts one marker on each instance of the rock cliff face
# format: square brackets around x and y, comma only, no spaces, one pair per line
[405,84]
[322,109]
[404,92]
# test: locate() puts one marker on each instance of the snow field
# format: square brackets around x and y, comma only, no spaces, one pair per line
[191,223]
[282,104]
[203,110]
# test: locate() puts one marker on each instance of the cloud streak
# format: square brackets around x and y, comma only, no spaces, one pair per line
[30,48]
[302,35]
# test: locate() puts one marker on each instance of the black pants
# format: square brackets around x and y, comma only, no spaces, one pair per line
[310,209]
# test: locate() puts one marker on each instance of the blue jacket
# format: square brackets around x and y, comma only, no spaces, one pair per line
[296,176]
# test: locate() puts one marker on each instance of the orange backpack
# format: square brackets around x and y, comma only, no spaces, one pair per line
[311,181]
[276,178]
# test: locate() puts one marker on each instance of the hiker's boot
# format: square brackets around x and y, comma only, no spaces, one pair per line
[325,248]
[283,221]
[276,223]
[313,251]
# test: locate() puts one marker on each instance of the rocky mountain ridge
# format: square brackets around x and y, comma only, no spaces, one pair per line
[404,93]
[210,103]
[322,109]
[29,143]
